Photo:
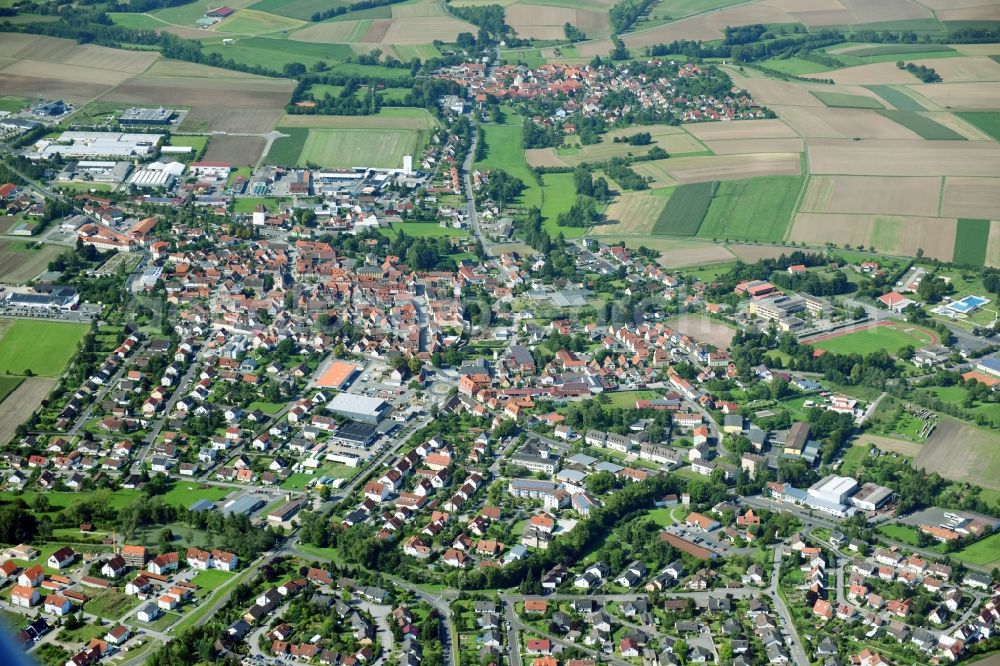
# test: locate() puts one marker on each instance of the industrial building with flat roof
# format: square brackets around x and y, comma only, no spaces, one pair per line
[137,116]
[359,407]
[85,145]
[358,435]
[64,298]
[245,504]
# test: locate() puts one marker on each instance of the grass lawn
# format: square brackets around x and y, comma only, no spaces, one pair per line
[160,623]
[757,209]
[845,101]
[209,580]
[985,552]
[83,634]
[987,121]
[904,533]
[193,140]
[8,384]
[43,347]
[248,204]
[111,604]
[322,554]
[186,493]
[361,147]
[663,517]
[504,149]
[268,408]
[626,399]
[888,337]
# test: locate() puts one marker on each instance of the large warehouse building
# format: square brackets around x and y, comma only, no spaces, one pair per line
[359,407]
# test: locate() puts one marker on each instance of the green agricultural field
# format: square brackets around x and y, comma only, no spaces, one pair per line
[43,347]
[758,209]
[897,98]
[504,149]
[275,53]
[8,384]
[558,195]
[286,151]
[686,209]
[137,21]
[987,121]
[298,9]
[12,104]
[925,127]
[900,49]
[889,337]
[971,241]
[845,101]
[360,147]
[794,66]
[250,22]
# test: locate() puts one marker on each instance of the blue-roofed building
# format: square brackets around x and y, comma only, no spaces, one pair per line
[202,505]
[246,505]
[989,365]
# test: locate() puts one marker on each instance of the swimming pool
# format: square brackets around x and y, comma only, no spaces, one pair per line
[968,304]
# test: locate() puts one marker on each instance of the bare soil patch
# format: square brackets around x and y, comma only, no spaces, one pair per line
[19,405]
[961,452]
[377,31]
[634,213]
[543,157]
[989,12]
[754,253]
[972,197]
[72,91]
[426,30]
[703,329]
[902,447]
[204,119]
[743,146]
[238,150]
[41,69]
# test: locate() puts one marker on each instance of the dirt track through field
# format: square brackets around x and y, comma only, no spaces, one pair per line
[19,405]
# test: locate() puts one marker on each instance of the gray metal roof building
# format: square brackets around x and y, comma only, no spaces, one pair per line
[359,407]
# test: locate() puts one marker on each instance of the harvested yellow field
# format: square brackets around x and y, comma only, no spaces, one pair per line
[772,91]
[866,11]
[958,96]
[889,234]
[334,32]
[806,122]
[964,70]
[183,69]
[676,253]
[426,30]
[546,22]
[872,194]
[543,157]
[978,49]
[903,158]
[989,12]
[993,245]
[594,47]
[693,28]
[13,42]
[774,128]
[741,146]
[973,197]
[721,167]
[632,213]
